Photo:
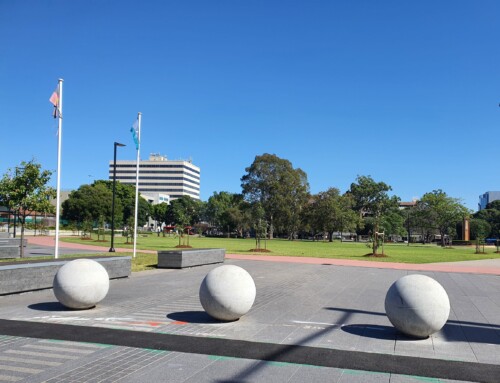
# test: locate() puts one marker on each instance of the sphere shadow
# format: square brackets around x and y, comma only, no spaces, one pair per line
[193,317]
[376,332]
[48,306]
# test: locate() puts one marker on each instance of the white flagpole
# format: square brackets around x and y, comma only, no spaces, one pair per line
[58,188]
[137,180]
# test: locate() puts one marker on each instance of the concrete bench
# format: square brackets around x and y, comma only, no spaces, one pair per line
[9,252]
[9,247]
[17,277]
[181,258]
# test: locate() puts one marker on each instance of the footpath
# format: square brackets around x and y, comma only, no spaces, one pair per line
[483,266]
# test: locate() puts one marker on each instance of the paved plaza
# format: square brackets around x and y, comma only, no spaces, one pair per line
[309,323]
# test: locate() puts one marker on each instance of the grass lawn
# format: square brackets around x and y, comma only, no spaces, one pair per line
[346,250]
[142,261]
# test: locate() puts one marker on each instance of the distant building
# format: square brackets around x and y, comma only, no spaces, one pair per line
[156,198]
[160,176]
[488,197]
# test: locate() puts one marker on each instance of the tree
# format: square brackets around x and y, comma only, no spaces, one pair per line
[90,202]
[183,211]
[329,211]
[281,190]
[223,211]
[442,212]
[159,212]
[371,200]
[24,191]
[125,193]
[491,215]
[479,230]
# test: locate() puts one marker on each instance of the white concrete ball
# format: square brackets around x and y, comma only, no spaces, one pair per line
[417,305]
[81,284]
[227,292]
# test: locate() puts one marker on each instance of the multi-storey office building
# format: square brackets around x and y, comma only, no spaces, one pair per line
[488,197]
[160,175]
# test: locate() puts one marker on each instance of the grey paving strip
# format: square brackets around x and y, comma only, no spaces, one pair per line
[8,378]
[41,354]
[305,355]
[29,361]
[27,370]
[112,368]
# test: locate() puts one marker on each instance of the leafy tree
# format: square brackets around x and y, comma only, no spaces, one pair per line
[24,190]
[281,190]
[491,215]
[393,223]
[442,212]
[479,230]
[125,193]
[330,211]
[159,212]
[223,211]
[90,202]
[183,211]
[371,199]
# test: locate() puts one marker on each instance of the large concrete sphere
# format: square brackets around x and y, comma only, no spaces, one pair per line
[227,292]
[417,305]
[81,284]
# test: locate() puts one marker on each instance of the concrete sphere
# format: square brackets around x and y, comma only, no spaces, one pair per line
[227,292]
[81,284]
[417,305]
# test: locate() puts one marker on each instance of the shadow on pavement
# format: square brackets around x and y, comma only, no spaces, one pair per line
[192,317]
[48,306]
[453,330]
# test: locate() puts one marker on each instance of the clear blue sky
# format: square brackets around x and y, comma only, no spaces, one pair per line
[404,91]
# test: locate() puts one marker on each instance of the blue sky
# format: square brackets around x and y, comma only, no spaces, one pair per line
[404,91]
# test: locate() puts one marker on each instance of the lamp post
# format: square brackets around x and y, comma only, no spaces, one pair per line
[112,249]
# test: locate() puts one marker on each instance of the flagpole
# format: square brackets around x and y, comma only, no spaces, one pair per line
[58,187]
[137,180]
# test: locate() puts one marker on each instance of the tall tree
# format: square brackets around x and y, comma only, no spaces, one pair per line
[329,211]
[281,190]
[223,210]
[24,190]
[125,193]
[491,215]
[442,212]
[373,202]
[90,202]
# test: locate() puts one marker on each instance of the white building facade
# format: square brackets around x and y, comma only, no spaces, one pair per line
[160,176]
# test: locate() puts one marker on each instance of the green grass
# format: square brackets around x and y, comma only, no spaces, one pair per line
[142,261]
[346,250]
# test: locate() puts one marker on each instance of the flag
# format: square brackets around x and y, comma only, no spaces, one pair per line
[135,133]
[54,99]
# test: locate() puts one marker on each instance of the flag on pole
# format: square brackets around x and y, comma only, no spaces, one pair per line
[54,99]
[135,133]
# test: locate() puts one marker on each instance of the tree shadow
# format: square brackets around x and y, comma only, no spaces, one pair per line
[48,306]
[200,317]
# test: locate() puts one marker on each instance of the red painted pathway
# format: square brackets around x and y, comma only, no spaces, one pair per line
[485,266]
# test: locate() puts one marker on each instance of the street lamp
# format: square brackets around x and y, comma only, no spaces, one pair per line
[112,249]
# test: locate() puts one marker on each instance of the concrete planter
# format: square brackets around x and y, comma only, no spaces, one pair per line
[178,259]
[18,277]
